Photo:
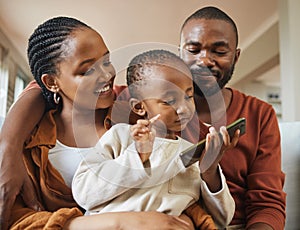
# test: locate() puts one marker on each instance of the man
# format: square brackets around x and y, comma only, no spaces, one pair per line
[208,45]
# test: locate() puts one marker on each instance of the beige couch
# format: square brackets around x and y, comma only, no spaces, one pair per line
[290,141]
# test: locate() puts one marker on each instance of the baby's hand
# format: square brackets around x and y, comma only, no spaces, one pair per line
[143,134]
[216,145]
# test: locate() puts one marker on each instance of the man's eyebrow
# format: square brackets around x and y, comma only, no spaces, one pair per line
[192,42]
[221,43]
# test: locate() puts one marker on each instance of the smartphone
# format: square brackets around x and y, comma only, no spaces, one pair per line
[194,153]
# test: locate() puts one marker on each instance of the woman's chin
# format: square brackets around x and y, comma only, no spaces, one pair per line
[104,104]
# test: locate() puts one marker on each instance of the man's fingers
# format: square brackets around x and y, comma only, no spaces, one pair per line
[3,224]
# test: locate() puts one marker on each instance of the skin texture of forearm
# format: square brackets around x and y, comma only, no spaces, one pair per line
[213,180]
[129,221]
[22,118]
[20,121]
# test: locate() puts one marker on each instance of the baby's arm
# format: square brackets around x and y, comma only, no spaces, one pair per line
[108,170]
[19,122]
[215,192]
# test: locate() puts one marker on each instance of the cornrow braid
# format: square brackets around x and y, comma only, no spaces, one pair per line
[45,50]
[138,68]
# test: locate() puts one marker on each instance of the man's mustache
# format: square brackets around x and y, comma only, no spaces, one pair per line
[204,71]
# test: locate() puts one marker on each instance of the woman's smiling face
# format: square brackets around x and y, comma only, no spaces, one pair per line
[85,77]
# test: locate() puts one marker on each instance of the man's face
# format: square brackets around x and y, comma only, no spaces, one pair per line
[208,47]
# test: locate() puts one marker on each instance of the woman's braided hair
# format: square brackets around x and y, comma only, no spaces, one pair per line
[45,49]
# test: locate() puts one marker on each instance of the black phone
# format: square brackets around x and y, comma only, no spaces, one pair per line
[194,153]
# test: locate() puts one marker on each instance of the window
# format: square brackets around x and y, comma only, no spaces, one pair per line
[3,85]
[14,74]
[19,86]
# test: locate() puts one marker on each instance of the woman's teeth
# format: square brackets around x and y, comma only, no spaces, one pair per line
[104,89]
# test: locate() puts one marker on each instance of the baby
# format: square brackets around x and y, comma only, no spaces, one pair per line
[137,167]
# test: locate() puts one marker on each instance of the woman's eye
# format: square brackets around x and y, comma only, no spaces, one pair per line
[89,72]
[107,63]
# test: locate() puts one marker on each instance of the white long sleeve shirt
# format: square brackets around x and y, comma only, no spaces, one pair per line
[112,178]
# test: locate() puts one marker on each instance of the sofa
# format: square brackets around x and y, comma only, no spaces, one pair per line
[290,144]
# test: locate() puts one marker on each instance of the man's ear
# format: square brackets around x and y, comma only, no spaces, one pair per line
[50,82]
[237,55]
[137,107]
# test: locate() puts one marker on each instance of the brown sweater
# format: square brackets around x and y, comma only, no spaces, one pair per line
[253,168]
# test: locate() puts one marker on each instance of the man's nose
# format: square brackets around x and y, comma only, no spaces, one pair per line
[205,59]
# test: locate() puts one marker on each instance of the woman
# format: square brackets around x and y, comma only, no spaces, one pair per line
[70,62]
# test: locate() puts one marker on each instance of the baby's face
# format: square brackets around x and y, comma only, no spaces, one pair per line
[169,92]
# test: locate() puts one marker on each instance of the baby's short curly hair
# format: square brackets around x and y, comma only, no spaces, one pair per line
[139,68]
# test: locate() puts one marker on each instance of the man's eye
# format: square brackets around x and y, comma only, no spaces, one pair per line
[193,51]
[220,52]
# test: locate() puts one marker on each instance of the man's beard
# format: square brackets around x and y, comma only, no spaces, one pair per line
[204,91]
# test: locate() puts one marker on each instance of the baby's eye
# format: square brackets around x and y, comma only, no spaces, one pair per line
[169,102]
[188,97]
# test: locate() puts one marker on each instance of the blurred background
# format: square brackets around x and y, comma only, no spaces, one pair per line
[268,30]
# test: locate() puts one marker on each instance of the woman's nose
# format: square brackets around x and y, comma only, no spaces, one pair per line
[104,74]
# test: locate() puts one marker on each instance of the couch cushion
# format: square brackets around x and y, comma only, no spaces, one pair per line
[290,144]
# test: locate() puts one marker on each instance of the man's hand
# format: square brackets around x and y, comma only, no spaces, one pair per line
[14,181]
[18,124]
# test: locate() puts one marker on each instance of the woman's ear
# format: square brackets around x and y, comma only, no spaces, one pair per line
[50,82]
[137,107]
